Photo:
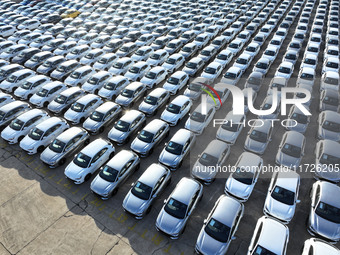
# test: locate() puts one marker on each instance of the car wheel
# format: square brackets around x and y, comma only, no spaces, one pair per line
[150,151]
[87,177]
[101,129]
[87,141]
[45,104]
[82,119]
[137,167]
[167,134]
[96,91]
[20,138]
[62,161]
[180,164]
[29,96]
[148,210]
[41,149]
[168,183]
[114,192]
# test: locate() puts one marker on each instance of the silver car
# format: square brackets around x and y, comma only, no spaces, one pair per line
[43,134]
[5,99]
[329,125]
[231,128]
[113,87]
[126,126]
[89,160]
[96,81]
[324,218]
[291,150]
[242,180]
[259,137]
[146,189]
[82,108]
[131,94]
[64,145]
[220,226]
[329,100]
[62,102]
[177,148]
[114,173]
[282,195]
[200,118]
[21,126]
[47,93]
[79,76]
[327,159]
[12,110]
[16,79]
[149,137]
[155,100]
[297,120]
[31,86]
[194,89]
[314,244]
[178,207]
[210,160]
[176,110]
[102,117]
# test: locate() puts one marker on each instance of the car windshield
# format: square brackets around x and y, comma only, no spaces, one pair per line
[171,61]
[17,124]
[11,78]
[331,100]
[262,65]
[36,134]
[300,118]
[151,75]
[61,68]
[42,92]
[331,81]
[310,61]
[312,49]
[108,173]
[259,250]
[173,80]
[307,76]
[174,148]
[333,52]
[210,70]
[206,53]
[141,190]
[283,195]
[278,86]
[175,208]
[332,64]
[151,100]
[328,212]
[191,65]
[208,160]
[76,75]
[155,56]
[217,230]
[331,126]
[61,99]
[187,49]
[258,136]
[291,150]
[26,85]
[327,159]
[82,160]
[122,126]
[93,81]
[269,53]
[57,146]
[283,69]
[145,136]
[230,126]
[242,61]
[127,93]
[173,108]
[97,116]
[89,55]
[243,175]
[197,116]
[134,69]
[77,107]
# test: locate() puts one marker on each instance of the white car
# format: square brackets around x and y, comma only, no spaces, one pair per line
[285,70]
[313,48]
[31,86]
[331,51]
[252,49]
[43,134]
[243,61]
[309,60]
[270,237]
[212,71]
[331,64]
[47,93]
[137,71]
[176,110]
[176,82]
[154,76]
[79,76]
[142,54]
[319,247]
[271,53]
[202,40]
[106,61]
[82,108]
[173,62]
[158,57]
[306,76]
[200,118]
[22,125]
[231,128]
[232,76]
[282,196]
[5,99]
[224,57]
[121,66]
[89,160]
[113,87]
[96,82]
[242,180]
[330,80]
[235,46]
[16,79]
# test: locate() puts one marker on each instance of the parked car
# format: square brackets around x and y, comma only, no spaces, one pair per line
[63,145]
[329,125]
[314,244]
[329,100]
[194,66]
[154,76]
[155,100]
[46,94]
[113,87]
[179,206]
[63,101]
[259,137]
[89,160]
[79,76]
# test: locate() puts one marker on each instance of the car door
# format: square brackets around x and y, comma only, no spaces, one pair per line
[99,159]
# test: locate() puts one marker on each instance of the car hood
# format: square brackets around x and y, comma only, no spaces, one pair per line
[28,143]
[326,228]
[20,91]
[101,186]
[9,133]
[55,106]
[194,125]
[287,160]
[35,99]
[144,107]
[253,145]
[226,135]
[123,100]
[203,172]
[133,204]
[70,114]
[168,223]
[168,158]
[48,155]
[208,245]
[192,94]
[237,188]
[73,171]
[169,116]
[139,145]
[279,210]
[327,134]
[116,134]
[91,124]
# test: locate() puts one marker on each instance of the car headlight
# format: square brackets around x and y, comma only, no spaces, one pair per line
[78,178]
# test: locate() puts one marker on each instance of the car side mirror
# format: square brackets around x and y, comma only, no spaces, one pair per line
[154,196]
[164,201]
[233,238]
[205,221]
[166,144]
[132,184]
[298,201]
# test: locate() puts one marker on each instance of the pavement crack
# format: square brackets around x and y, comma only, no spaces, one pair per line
[160,248]
[91,252]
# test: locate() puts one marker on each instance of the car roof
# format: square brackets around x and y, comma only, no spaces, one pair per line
[54,58]
[213,64]
[140,64]
[312,56]
[294,138]
[179,100]
[134,85]
[226,204]
[308,70]
[52,84]
[331,147]
[83,69]
[105,107]
[46,124]
[199,108]
[332,74]
[120,159]
[154,125]
[331,92]
[333,59]
[287,64]
[85,99]
[271,228]
[131,115]
[185,189]
[37,78]
[179,74]
[96,145]
[233,69]
[101,74]
[70,134]
[328,192]
[285,180]
[322,247]
[12,105]
[70,91]
[181,136]
[22,71]
[157,69]
[31,114]
[216,148]
[157,92]
[152,174]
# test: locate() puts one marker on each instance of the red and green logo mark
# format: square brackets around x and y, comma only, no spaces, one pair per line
[210,94]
